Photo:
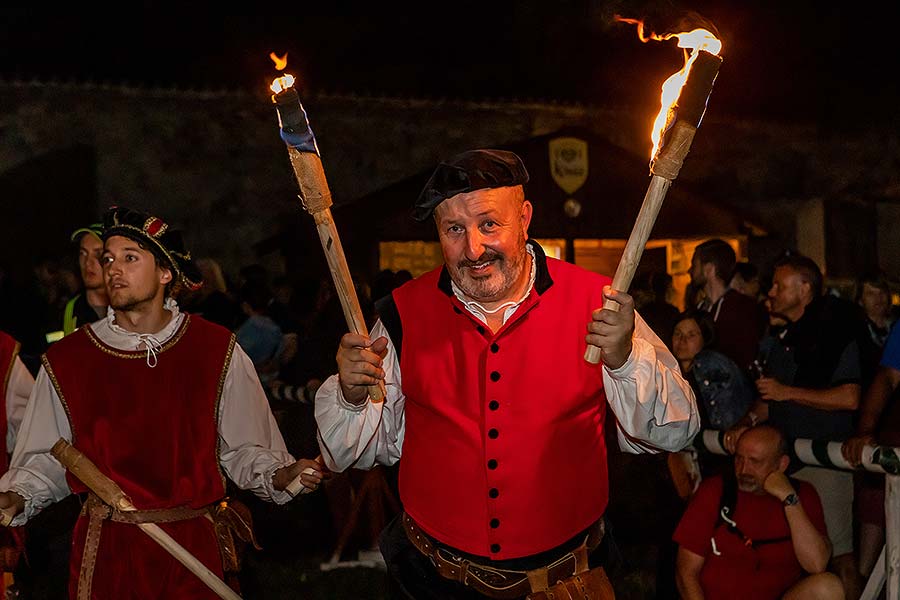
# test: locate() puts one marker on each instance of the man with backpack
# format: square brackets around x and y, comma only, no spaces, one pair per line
[755,533]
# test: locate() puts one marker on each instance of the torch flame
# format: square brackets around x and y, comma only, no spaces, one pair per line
[280,61]
[279,84]
[696,40]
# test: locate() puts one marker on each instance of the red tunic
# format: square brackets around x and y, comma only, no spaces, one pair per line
[504,453]
[154,431]
[9,349]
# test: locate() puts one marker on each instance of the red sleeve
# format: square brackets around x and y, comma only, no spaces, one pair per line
[699,520]
[809,498]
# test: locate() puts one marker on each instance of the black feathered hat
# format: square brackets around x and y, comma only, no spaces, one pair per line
[155,235]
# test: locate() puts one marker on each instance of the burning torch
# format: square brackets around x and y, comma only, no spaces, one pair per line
[684,97]
[316,199]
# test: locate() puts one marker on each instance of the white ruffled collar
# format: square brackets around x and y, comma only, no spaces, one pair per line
[110,333]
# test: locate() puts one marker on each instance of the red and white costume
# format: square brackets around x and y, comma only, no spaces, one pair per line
[501,434]
[166,416]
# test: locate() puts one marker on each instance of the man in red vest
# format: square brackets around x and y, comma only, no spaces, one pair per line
[499,418]
[165,404]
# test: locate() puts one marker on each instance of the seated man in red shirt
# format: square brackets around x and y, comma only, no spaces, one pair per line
[760,536]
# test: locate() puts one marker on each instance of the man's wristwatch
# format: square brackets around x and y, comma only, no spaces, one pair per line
[791,499]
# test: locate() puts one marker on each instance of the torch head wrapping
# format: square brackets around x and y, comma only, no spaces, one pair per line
[686,116]
[692,101]
[294,124]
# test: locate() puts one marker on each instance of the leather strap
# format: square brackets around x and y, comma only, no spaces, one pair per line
[501,583]
[97,512]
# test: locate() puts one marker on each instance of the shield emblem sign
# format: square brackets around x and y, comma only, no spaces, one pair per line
[569,162]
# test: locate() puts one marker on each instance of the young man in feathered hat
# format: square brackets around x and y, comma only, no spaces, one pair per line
[165,404]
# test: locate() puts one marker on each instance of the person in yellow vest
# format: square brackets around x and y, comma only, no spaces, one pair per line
[90,305]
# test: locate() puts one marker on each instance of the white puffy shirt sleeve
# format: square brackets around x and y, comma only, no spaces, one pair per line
[365,435]
[34,473]
[654,405]
[18,390]
[251,447]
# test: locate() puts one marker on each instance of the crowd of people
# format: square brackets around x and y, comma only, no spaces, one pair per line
[163,372]
[787,354]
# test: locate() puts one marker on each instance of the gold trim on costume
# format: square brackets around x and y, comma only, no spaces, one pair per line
[162,228]
[62,399]
[12,361]
[139,353]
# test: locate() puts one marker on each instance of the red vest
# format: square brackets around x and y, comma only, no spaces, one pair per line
[504,454]
[9,349]
[154,431]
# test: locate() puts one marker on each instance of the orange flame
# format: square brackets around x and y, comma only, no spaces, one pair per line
[280,61]
[279,84]
[696,40]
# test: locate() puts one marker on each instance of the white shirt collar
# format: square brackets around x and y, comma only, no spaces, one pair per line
[113,335]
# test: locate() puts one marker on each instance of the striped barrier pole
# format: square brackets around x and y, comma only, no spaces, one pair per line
[303,394]
[818,453]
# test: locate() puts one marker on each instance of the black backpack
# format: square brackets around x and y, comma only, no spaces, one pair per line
[727,509]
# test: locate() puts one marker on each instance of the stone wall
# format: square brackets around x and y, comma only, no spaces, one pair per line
[212,162]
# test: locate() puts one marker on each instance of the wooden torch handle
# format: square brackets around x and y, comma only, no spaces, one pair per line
[87,472]
[296,486]
[634,248]
[317,200]
[108,491]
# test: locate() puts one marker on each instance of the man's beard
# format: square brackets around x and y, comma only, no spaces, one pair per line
[748,484]
[495,286]
[130,302]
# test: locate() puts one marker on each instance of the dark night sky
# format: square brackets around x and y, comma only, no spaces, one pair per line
[792,59]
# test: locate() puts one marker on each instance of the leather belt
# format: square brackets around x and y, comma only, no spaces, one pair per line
[97,512]
[502,583]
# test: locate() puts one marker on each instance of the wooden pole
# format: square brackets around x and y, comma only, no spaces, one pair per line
[631,258]
[107,490]
[316,198]
[664,168]
[663,171]
[892,533]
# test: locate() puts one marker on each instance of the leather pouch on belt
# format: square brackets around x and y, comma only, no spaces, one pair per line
[234,530]
[588,585]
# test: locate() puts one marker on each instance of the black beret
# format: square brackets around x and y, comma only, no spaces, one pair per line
[155,235]
[467,172]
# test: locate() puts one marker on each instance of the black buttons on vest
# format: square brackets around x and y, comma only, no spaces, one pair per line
[495,523]
[493,433]
[495,348]
[493,405]
[481,329]
[456,310]
[493,492]
[492,464]
[495,548]
[495,376]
